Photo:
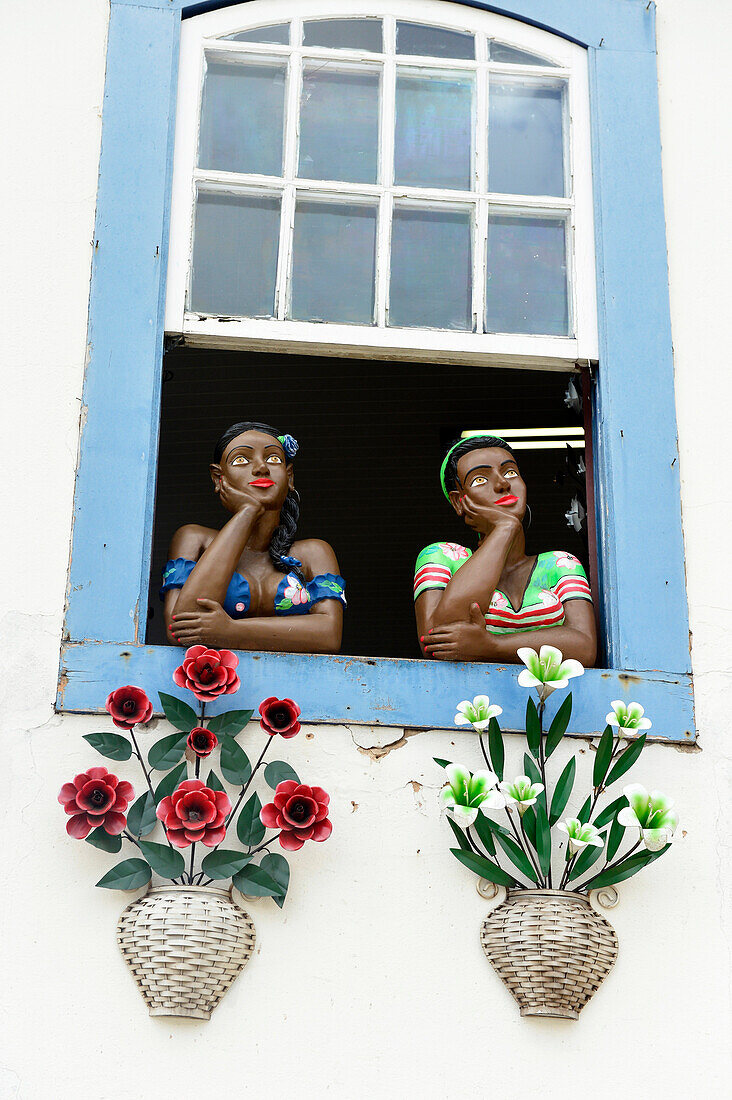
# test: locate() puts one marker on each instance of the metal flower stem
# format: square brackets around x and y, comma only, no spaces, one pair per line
[609,866]
[190,869]
[246,786]
[138,754]
[526,849]
[541,881]
[253,853]
[595,795]
[542,769]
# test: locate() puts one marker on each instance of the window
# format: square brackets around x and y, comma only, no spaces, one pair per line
[407,180]
[640,545]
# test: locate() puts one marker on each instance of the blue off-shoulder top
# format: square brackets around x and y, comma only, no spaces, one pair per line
[292,596]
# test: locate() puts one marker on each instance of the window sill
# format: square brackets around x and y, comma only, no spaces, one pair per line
[378,691]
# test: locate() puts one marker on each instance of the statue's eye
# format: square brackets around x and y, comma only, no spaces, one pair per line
[240,460]
[275,459]
[511,473]
[479,480]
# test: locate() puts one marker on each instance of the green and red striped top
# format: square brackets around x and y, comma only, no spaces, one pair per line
[556,578]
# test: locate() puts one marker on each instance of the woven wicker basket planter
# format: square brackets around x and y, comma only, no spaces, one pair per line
[185,946]
[550,948]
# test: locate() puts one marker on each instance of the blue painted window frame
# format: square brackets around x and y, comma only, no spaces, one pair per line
[640,541]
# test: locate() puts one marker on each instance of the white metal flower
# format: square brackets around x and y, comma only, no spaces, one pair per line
[546,671]
[521,793]
[651,815]
[477,714]
[580,835]
[465,795]
[627,718]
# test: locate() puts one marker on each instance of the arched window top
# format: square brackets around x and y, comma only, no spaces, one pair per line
[411,178]
[367,34]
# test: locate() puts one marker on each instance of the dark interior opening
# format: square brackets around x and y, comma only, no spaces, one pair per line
[372,437]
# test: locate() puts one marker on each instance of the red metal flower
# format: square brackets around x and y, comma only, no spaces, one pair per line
[94,798]
[129,706]
[194,812]
[299,812]
[279,716]
[208,673]
[202,742]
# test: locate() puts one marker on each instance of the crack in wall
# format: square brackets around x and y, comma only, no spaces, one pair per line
[378,752]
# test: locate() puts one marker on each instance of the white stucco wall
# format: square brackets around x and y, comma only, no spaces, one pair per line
[371,982]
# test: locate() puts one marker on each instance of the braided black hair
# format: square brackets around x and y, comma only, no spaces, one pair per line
[284,535]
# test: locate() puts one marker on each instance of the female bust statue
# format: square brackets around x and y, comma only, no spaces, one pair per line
[239,587]
[485,605]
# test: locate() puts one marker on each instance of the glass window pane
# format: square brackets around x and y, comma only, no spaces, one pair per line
[527,276]
[344,34]
[422,41]
[339,125]
[499,51]
[235,246]
[276,33]
[432,145]
[241,118]
[525,138]
[333,263]
[431,269]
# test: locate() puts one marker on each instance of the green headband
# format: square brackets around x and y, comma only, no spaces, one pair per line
[463,437]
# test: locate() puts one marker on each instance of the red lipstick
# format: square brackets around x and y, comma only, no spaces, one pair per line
[509,498]
[262,482]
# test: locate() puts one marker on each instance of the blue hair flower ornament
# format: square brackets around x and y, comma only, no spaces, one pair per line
[291,563]
[290,445]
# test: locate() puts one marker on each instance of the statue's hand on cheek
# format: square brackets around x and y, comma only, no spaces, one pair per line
[210,625]
[484,517]
[235,499]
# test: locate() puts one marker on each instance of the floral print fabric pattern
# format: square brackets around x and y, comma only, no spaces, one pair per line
[556,578]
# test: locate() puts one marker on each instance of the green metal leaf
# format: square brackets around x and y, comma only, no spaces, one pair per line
[231,721]
[178,713]
[533,728]
[626,869]
[459,834]
[626,760]
[130,874]
[495,747]
[602,758]
[249,827]
[214,782]
[166,753]
[277,867]
[165,861]
[543,838]
[442,763]
[111,745]
[141,819]
[610,811]
[256,882]
[234,762]
[278,771]
[617,832]
[558,728]
[105,841]
[584,813]
[171,781]
[482,826]
[224,863]
[485,868]
[528,824]
[562,791]
[585,860]
[519,858]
